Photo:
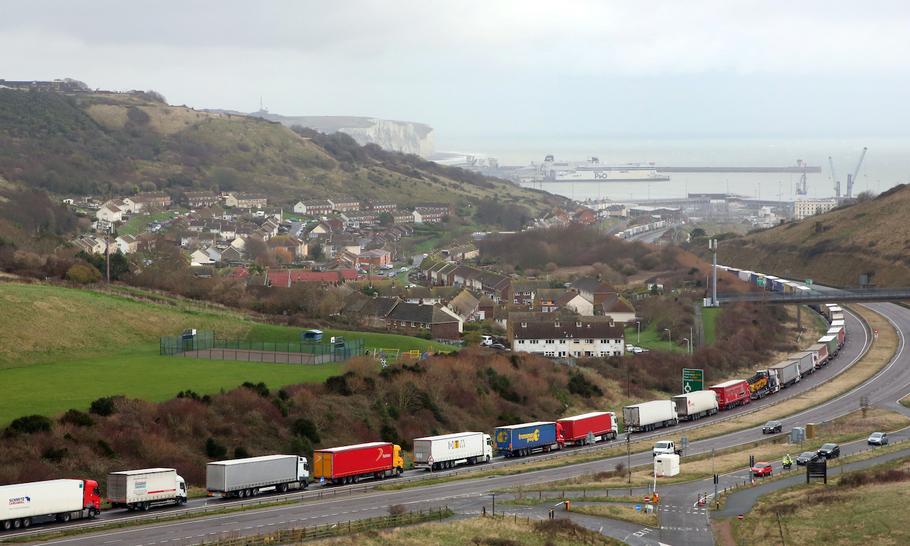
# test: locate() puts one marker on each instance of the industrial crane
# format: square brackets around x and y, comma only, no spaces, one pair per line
[834,178]
[802,186]
[852,180]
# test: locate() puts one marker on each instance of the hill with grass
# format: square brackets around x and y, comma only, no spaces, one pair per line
[117,144]
[869,238]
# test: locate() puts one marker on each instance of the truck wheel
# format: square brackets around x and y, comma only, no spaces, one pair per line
[249,492]
[65,517]
[92,512]
[145,506]
[283,488]
[26,522]
[17,523]
[6,524]
[304,484]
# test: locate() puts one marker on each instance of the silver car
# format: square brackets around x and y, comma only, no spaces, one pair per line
[878,439]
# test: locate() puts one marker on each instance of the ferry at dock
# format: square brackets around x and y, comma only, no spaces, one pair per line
[595,171]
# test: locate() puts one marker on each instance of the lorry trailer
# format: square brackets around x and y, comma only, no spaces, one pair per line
[600,425]
[732,393]
[787,372]
[695,405]
[350,464]
[22,504]
[821,354]
[650,415]
[447,450]
[246,477]
[527,438]
[831,342]
[141,489]
[806,360]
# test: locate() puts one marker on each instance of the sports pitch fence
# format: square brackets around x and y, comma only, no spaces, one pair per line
[206,345]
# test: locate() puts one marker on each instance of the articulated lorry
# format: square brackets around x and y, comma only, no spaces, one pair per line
[22,504]
[806,360]
[732,393]
[527,438]
[762,384]
[695,405]
[350,464]
[649,415]
[247,477]
[599,425]
[142,489]
[786,372]
[448,450]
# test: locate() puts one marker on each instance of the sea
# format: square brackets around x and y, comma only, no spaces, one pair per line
[885,165]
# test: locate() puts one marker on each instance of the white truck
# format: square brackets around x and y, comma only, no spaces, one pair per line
[22,504]
[246,477]
[695,405]
[440,452]
[142,489]
[665,447]
[786,372]
[649,415]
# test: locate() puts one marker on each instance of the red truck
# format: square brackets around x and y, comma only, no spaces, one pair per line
[601,424]
[348,464]
[732,393]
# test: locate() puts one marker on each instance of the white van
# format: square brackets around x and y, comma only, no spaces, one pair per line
[486,341]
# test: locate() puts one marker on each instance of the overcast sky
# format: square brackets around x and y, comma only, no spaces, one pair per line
[494,68]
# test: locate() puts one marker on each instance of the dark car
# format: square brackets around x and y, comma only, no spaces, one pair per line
[771,427]
[829,451]
[498,346]
[806,457]
[878,439]
[761,469]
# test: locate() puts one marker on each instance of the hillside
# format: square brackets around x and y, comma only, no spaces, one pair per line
[870,238]
[106,144]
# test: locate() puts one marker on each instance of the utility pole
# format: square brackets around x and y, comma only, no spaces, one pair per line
[712,246]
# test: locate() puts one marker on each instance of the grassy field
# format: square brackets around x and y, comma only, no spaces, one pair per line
[64,348]
[483,530]
[838,513]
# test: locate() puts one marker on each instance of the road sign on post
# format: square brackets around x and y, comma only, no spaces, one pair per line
[808,282]
[740,516]
[693,380]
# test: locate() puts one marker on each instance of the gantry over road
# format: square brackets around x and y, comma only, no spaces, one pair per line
[828,295]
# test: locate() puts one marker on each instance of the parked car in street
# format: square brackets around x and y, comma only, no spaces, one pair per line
[771,427]
[806,457]
[878,439]
[761,469]
[829,451]
[498,346]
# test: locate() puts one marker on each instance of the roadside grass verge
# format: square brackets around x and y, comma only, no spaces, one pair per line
[858,508]
[622,513]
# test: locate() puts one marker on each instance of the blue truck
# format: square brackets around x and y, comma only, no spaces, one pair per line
[526,438]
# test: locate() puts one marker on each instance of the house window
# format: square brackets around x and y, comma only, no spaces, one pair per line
[605,341]
[589,341]
[562,341]
[551,341]
[533,342]
[521,342]
[576,341]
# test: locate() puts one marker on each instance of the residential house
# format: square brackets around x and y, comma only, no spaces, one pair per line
[327,226]
[442,208]
[200,199]
[594,290]
[144,201]
[313,208]
[381,206]
[427,216]
[525,291]
[200,258]
[127,244]
[465,305]
[439,321]
[402,217]
[618,309]
[245,200]
[374,258]
[358,219]
[109,214]
[345,204]
[579,337]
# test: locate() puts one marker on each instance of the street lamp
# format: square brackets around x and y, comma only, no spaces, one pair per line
[629,450]
[669,336]
[688,345]
[638,322]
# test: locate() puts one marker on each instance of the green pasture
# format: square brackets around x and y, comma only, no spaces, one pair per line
[50,389]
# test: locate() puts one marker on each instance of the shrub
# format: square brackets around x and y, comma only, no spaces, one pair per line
[105,449]
[78,418]
[302,447]
[397,510]
[105,406]
[306,428]
[214,450]
[579,384]
[83,274]
[259,388]
[55,455]
[28,425]
[241,453]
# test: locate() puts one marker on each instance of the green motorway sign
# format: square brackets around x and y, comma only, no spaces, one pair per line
[693,380]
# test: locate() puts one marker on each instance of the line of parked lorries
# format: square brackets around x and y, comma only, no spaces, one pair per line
[730,394]
[66,499]
[642,228]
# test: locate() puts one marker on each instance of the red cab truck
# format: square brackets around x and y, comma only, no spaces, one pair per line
[601,424]
[348,464]
[732,393]
[22,504]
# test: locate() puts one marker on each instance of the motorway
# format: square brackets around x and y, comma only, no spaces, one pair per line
[682,521]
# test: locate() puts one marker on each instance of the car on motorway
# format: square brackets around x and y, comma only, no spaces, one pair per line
[806,457]
[771,427]
[829,451]
[878,439]
[761,469]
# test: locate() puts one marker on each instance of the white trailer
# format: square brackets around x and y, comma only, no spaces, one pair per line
[22,504]
[141,489]
[806,360]
[246,477]
[695,405]
[786,372]
[439,452]
[649,415]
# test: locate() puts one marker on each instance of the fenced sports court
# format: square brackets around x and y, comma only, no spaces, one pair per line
[193,344]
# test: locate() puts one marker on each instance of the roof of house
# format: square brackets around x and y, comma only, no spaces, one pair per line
[590,284]
[561,329]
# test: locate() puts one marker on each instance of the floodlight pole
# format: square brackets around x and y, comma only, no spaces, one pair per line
[712,246]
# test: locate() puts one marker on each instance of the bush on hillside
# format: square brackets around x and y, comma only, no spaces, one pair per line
[28,425]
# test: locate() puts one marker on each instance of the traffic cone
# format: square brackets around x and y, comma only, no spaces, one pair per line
[753,481]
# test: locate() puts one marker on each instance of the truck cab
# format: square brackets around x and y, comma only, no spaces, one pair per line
[397,459]
[487,447]
[181,490]
[303,472]
[92,497]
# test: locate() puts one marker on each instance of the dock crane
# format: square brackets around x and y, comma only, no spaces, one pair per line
[802,187]
[852,180]
[834,178]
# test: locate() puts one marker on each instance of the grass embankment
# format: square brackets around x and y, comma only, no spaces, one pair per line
[484,530]
[859,508]
[63,348]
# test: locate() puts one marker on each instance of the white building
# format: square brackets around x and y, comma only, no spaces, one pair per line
[805,208]
[576,337]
